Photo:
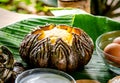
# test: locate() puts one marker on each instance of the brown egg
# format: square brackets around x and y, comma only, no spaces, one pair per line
[117,40]
[115,80]
[112,52]
[86,81]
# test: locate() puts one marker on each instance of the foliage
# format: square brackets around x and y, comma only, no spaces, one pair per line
[107,8]
[24,6]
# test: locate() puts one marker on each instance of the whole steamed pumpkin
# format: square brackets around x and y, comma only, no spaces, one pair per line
[57,46]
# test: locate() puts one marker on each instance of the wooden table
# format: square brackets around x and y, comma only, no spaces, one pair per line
[8,17]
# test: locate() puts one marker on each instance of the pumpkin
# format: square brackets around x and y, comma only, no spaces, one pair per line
[6,64]
[61,47]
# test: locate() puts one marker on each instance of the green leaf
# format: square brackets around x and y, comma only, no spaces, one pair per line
[92,25]
[66,11]
[12,35]
[27,1]
[95,25]
[4,1]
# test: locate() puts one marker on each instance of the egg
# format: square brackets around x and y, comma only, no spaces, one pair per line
[112,52]
[117,40]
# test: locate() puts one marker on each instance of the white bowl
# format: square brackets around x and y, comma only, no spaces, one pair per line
[44,75]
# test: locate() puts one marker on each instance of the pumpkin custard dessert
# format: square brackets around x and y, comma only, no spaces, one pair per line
[60,47]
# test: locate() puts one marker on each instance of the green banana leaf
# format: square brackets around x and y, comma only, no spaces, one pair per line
[12,35]
[95,25]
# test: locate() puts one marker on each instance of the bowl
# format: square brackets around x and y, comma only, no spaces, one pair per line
[50,2]
[111,61]
[44,75]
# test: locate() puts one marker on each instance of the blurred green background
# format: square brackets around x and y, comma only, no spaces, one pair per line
[25,6]
[109,8]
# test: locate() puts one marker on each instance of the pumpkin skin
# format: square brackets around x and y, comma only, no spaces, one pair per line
[57,46]
[6,64]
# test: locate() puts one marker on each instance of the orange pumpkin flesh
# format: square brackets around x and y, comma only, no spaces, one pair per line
[56,32]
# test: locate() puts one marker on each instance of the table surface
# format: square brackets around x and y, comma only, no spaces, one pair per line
[8,17]
[93,71]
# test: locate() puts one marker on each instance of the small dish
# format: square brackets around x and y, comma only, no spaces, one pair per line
[102,41]
[44,75]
